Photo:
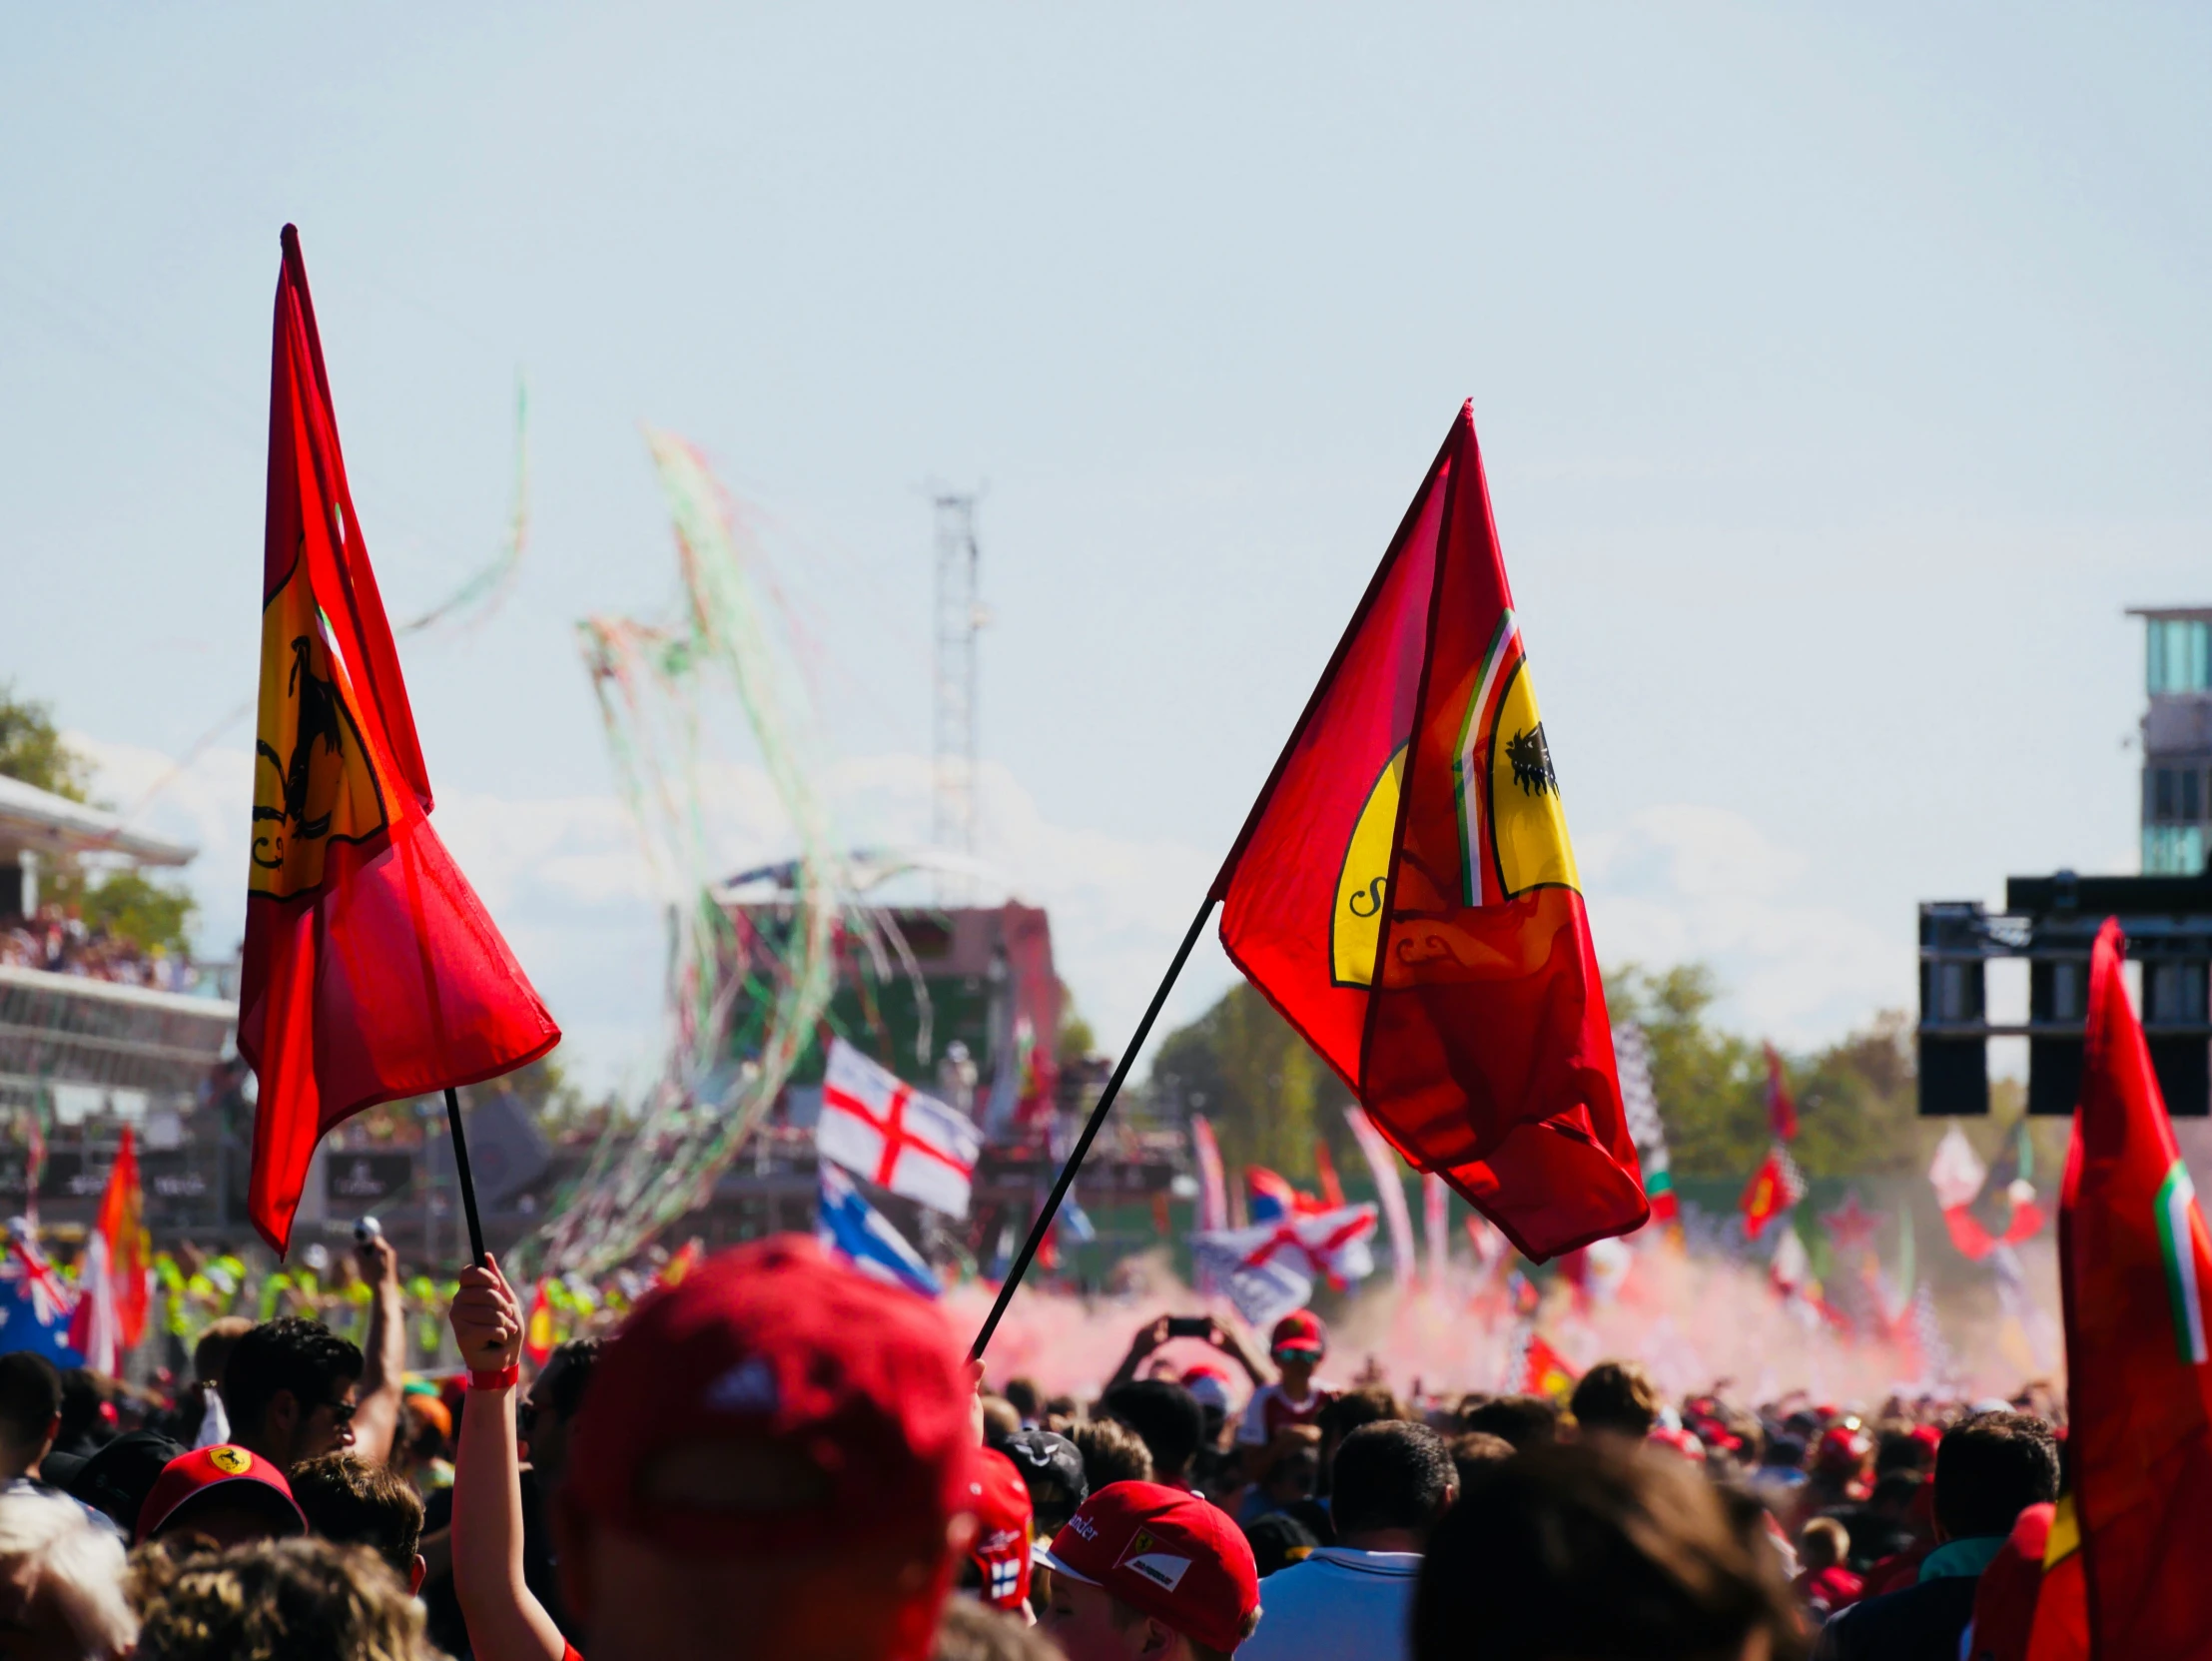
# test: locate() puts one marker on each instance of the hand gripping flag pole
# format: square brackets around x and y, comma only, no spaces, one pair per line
[1067,1178]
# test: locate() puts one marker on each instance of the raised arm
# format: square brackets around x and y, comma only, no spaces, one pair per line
[384,1353]
[505,1620]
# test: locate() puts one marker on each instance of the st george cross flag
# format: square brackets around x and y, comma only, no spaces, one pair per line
[1269,1269]
[875,1123]
[371,971]
[846,1223]
[2134,1267]
[1405,894]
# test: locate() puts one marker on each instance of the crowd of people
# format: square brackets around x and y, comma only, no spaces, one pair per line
[779,1456]
[60,943]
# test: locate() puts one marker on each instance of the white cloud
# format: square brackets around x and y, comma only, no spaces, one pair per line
[1683,882]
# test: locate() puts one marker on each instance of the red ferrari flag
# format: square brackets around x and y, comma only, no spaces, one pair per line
[371,970]
[2134,1266]
[1775,1186]
[1782,1107]
[1405,894]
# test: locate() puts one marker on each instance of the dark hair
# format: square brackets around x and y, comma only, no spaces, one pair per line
[1597,1551]
[1524,1421]
[1341,1415]
[84,1426]
[1027,1398]
[1896,1489]
[1896,1448]
[1472,1449]
[1390,1474]
[1112,1452]
[354,1501]
[1278,1539]
[1616,1395]
[1991,1467]
[211,1353]
[569,1366]
[303,1357]
[30,1397]
[1165,1416]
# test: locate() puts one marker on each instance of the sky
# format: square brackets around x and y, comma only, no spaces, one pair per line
[1841,374]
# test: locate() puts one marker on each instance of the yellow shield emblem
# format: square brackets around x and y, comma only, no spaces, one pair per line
[1527,823]
[230,1461]
[314,782]
[1355,925]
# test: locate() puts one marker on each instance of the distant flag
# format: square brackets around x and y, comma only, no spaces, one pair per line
[1272,1196]
[1269,1269]
[1213,1191]
[1782,1107]
[685,1259]
[2135,1269]
[1382,1162]
[371,971]
[1405,890]
[1639,1103]
[1485,1241]
[1077,1222]
[1324,1172]
[846,1223]
[1534,1367]
[537,1329]
[112,1293]
[876,1124]
[1775,1186]
[35,1302]
[1436,1206]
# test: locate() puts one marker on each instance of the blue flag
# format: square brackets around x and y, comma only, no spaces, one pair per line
[35,1303]
[848,1225]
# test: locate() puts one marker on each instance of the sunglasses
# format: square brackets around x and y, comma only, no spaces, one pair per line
[341,1413]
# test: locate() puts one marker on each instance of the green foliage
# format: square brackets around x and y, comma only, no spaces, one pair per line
[1076,1039]
[128,904]
[1243,1066]
[31,748]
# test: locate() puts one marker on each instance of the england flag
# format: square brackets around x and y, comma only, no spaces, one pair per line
[876,1124]
[1269,1269]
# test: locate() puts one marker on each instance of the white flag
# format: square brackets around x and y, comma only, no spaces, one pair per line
[1268,1269]
[877,1125]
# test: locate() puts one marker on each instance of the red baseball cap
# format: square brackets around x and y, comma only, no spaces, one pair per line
[1001,1500]
[815,1408]
[189,1475]
[1175,1557]
[1301,1333]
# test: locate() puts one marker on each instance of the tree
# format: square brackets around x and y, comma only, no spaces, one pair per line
[128,904]
[1243,1067]
[32,748]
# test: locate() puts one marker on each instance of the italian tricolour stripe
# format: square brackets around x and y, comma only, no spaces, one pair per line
[2179,1225]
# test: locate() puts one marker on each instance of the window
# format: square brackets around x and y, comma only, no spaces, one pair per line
[2165,794]
[2173,850]
[2190,780]
[2179,655]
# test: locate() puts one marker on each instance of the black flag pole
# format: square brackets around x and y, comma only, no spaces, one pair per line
[460,1169]
[1083,1143]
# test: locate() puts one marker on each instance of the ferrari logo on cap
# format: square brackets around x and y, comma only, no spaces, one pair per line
[230,1461]
[1144,1557]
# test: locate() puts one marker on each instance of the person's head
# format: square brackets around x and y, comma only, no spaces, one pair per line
[1616,1397]
[1989,1468]
[1894,1492]
[1210,1388]
[1053,1467]
[30,1411]
[1823,1543]
[1297,1344]
[289,1389]
[88,1411]
[1000,1419]
[997,1570]
[1278,1539]
[1596,1551]
[1027,1398]
[549,1411]
[356,1502]
[61,1583]
[1112,1452]
[1339,1417]
[117,1480]
[776,1434]
[1472,1449]
[971,1631]
[218,1496]
[272,1601]
[1296,1475]
[1525,1421]
[1145,1571]
[1167,1418]
[1391,1483]
[211,1354]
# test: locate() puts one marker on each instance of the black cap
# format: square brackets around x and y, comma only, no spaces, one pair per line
[118,1479]
[1041,1456]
